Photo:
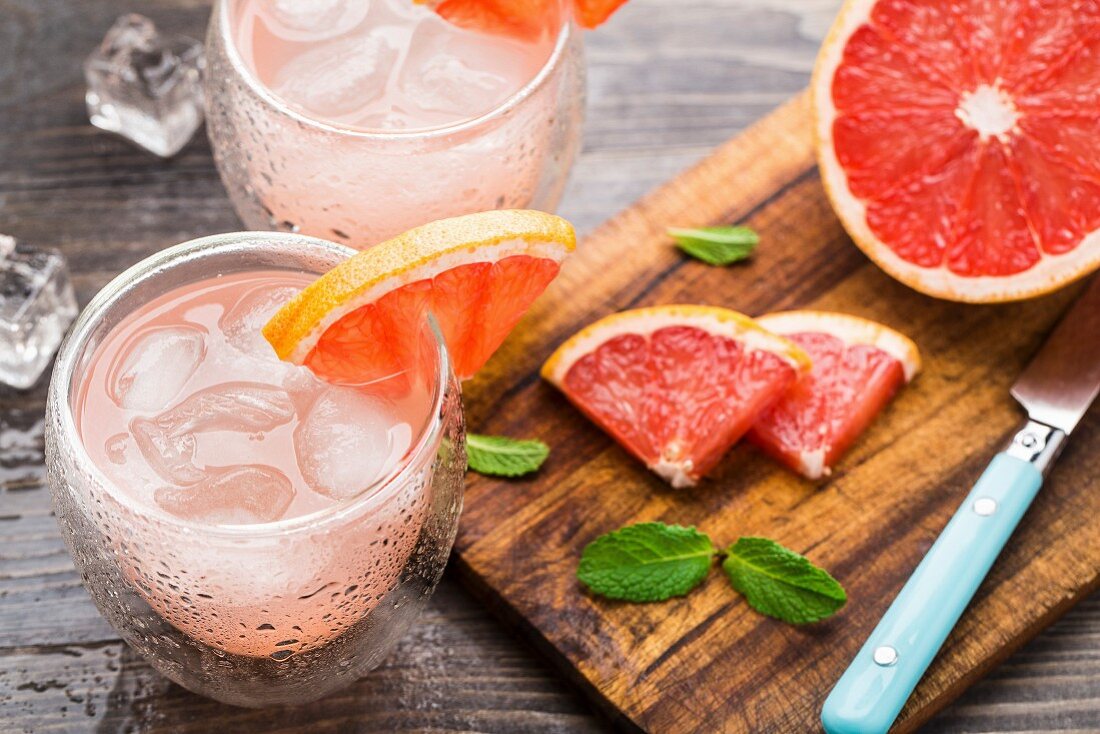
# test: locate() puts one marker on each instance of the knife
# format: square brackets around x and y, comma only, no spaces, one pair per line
[1056,390]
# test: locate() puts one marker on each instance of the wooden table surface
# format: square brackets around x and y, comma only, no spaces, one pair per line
[669,79]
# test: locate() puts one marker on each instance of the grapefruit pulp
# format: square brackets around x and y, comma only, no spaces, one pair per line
[676,386]
[522,19]
[858,365]
[957,141]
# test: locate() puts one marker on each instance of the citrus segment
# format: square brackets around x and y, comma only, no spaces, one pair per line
[956,141]
[858,365]
[676,386]
[593,13]
[477,275]
[523,19]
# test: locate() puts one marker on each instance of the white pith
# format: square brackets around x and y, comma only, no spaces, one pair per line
[676,473]
[989,111]
[852,330]
[447,261]
[645,322]
[811,464]
[1050,272]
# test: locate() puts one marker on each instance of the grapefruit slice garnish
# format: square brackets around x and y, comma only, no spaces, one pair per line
[523,19]
[957,142]
[477,274]
[858,365]
[593,13]
[676,386]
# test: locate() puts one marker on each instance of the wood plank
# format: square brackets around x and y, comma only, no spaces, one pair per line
[707,662]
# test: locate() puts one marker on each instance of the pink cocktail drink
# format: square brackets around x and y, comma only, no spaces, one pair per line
[356,120]
[192,364]
[186,408]
[261,535]
[382,64]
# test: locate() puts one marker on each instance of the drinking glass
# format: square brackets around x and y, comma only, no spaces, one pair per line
[285,170]
[273,613]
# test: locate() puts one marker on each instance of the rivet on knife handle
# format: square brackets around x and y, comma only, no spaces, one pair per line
[1056,389]
[876,685]
[1038,445]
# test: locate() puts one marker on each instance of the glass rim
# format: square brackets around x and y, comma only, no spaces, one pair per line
[61,392]
[220,19]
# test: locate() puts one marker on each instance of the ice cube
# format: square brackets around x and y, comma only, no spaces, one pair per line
[347,442]
[247,407]
[339,78]
[117,448]
[449,73]
[235,495]
[36,307]
[242,323]
[128,466]
[302,386]
[146,86]
[168,441]
[313,20]
[170,455]
[156,367]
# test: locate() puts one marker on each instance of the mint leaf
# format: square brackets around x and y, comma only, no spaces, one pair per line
[649,561]
[498,456]
[780,583]
[716,245]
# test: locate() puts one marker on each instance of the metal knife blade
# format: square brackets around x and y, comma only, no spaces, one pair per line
[1063,379]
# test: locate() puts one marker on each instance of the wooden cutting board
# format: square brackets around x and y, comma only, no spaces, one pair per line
[707,662]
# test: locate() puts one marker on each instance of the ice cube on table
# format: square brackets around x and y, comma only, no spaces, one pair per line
[146,86]
[338,78]
[37,305]
[156,367]
[237,495]
[313,20]
[348,441]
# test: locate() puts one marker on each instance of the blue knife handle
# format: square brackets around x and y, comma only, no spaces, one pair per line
[873,689]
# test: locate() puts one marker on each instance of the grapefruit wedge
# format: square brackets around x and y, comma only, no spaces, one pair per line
[522,19]
[676,386]
[477,274]
[957,141]
[858,365]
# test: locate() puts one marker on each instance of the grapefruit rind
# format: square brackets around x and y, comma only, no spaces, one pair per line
[852,330]
[1050,273]
[644,321]
[420,253]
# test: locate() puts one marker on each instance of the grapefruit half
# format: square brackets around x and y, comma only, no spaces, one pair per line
[957,141]
[858,365]
[477,274]
[676,386]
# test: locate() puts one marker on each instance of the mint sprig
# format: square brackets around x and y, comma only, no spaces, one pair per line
[650,561]
[720,246]
[499,456]
[653,561]
[780,583]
